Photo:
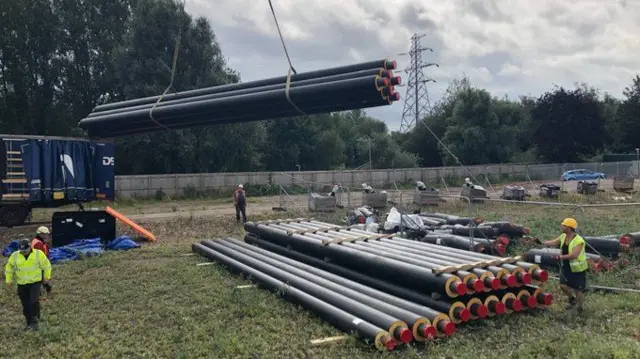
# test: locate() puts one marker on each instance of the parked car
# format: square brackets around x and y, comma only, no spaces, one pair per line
[582,175]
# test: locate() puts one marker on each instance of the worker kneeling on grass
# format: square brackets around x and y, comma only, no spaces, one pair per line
[29,268]
[42,241]
[573,263]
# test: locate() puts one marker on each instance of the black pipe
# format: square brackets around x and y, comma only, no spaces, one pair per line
[418,323]
[244,91]
[221,106]
[340,318]
[421,330]
[394,270]
[545,257]
[453,241]
[455,310]
[386,64]
[397,328]
[485,232]
[605,246]
[454,220]
[248,115]
[471,280]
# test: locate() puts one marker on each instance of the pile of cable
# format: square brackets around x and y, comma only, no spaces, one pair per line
[388,290]
[363,85]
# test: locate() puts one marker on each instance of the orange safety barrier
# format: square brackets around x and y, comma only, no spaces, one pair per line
[119,216]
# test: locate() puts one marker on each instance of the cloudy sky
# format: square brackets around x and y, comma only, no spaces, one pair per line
[517,48]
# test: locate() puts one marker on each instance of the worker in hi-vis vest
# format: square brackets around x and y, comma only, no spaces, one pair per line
[29,268]
[573,263]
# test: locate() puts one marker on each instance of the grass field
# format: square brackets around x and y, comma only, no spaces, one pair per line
[156,303]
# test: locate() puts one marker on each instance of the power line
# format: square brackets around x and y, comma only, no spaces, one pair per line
[416,103]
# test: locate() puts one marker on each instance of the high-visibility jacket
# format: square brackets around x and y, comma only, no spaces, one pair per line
[27,270]
[37,243]
[579,264]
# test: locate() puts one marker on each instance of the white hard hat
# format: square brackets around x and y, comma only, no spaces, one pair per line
[240,185]
[43,230]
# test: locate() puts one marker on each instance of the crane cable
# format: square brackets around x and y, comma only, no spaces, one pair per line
[292,70]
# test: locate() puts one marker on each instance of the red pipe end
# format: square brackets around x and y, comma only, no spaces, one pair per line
[393,66]
[477,286]
[390,344]
[503,239]
[501,248]
[465,315]
[461,288]
[482,311]
[526,278]
[547,299]
[429,332]
[511,280]
[397,80]
[495,283]
[390,73]
[625,239]
[396,96]
[531,302]
[517,306]
[449,329]
[543,275]
[500,308]
[405,336]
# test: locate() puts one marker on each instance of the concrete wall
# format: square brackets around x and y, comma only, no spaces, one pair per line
[175,184]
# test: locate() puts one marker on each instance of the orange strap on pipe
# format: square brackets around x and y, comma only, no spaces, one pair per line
[119,216]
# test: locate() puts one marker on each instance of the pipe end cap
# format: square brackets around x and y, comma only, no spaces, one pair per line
[429,332]
[517,306]
[526,278]
[465,315]
[461,288]
[495,283]
[405,336]
[449,329]
[500,308]
[511,280]
[482,311]
[543,275]
[547,299]
[390,344]
[478,286]
[531,302]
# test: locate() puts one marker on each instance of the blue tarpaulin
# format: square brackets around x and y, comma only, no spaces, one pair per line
[11,247]
[122,243]
[80,248]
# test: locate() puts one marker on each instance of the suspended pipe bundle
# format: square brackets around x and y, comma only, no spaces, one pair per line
[460,242]
[334,314]
[363,85]
[606,246]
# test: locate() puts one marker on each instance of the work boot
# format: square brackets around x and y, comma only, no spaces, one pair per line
[572,303]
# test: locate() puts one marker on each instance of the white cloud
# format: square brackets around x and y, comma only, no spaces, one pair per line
[515,47]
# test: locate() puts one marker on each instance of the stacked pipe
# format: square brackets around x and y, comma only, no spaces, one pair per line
[363,85]
[492,237]
[338,267]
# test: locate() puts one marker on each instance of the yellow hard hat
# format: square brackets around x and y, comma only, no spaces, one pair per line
[570,222]
[42,230]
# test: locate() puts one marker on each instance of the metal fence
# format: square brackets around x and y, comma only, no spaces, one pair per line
[177,184]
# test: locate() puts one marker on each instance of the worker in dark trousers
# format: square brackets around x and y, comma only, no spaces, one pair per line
[42,241]
[29,268]
[573,260]
[240,202]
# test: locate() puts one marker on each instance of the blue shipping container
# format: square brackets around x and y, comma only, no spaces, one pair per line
[57,171]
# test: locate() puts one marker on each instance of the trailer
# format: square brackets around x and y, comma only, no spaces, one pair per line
[50,172]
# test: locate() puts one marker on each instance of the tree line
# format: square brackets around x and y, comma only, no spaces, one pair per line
[60,58]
